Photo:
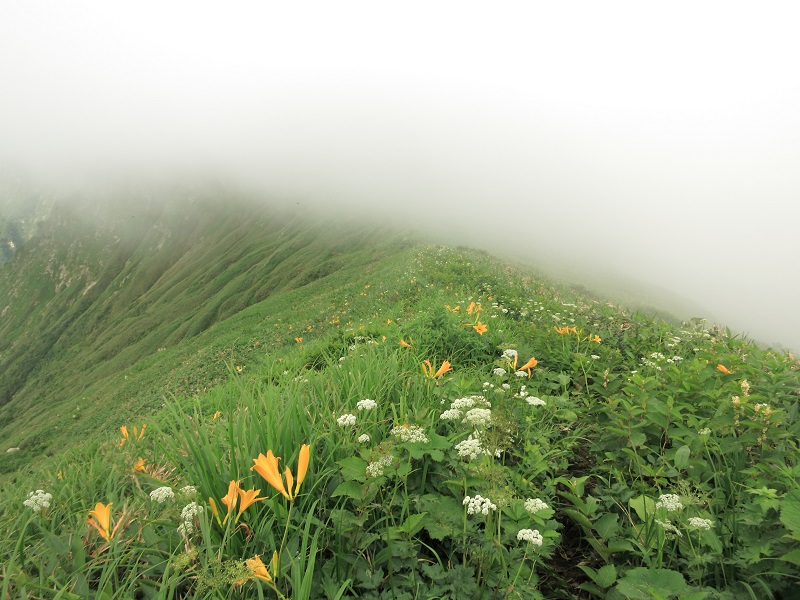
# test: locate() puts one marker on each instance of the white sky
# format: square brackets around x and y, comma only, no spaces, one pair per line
[656,140]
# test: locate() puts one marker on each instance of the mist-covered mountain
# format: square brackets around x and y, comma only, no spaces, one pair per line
[104,287]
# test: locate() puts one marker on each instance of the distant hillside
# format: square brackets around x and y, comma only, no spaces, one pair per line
[105,286]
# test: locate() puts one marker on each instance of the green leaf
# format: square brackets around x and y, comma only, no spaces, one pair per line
[606,576]
[638,438]
[682,457]
[412,524]
[790,511]
[792,557]
[607,525]
[351,489]
[645,507]
[353,467]
[642,583]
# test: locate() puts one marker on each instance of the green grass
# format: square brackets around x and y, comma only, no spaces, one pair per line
[620,413]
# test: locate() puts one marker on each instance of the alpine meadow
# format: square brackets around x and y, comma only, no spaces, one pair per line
[203,396]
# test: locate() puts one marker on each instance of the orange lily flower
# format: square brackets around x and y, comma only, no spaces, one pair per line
[231,497]
[480,328]
[124,431]
[139,466]
[723,369]
[267,467]
[246,498]
[259,569]
[427,368]
[299,340]
[471,308]
[100,519]
[404,343]
[529,365]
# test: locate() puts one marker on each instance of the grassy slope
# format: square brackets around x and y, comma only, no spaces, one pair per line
[122,311]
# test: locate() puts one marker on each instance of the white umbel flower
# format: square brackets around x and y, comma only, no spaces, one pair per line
[376,467]
[478,505]
[531,536]
[38,500]
[534,505]
[478,417]
[366,404]
[469,448]
[346,420]
[534,401]
[671,502]
[364,438]
[162,494]
[700,523]
[410,433]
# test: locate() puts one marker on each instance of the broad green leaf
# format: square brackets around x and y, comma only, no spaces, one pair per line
[607,525]
[792,557]
[682,457]
[790,511]
[645,584]
[606,576]
[353,467]
[351,489]
[645,507]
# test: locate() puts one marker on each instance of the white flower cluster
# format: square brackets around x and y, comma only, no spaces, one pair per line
[520,373]
[478,417]
[410,433]
[162,494]
[700,523]
[530,535]
[671,502]
[704,431]
[376,467]
[534,505]
[510,355]
[38,500]
[534,401]
[451,414]
[364,438]
[346,420]
[470,402]
[189,512]
[188,491]
[499,371]
[470,448]
[523,389]
[367,404]
[669,527]
[478,505]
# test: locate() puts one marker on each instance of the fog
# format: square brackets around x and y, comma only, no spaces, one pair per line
[615,142]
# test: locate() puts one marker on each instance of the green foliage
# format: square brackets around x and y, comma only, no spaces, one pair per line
[632,458]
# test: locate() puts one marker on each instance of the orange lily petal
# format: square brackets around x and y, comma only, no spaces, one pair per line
[100,519]
[302,465]
[267,467]
[246,498]
[258,568]
[443,369]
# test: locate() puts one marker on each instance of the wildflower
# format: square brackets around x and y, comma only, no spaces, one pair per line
[188,513]
[346,420]
[470,448]
[669,527]
[723,369]
[139,466]
[451,414]
[404,344]
[258,568]
[376,467]
[671,502]
[38,500]
[478,505]
[246,498]
[745,387]
[364,438]
[531,536]
[162,494]
[594,356]
[470,402]
[510,355]
[565,329]
[471,308]
[366,404]
[704,431]
[409,433]
[534,401]
[427,368]
[136,433]
[299,340]
[478,417]
[238,368]
[499,371]
[100,519]
[529,365]
[700,523]
[520,374]
[480,328]
[534,505]
[267,467]
[594,338]
[506,386]
[216,416]
[188,491]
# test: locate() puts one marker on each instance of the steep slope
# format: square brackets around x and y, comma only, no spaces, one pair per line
[105,284]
